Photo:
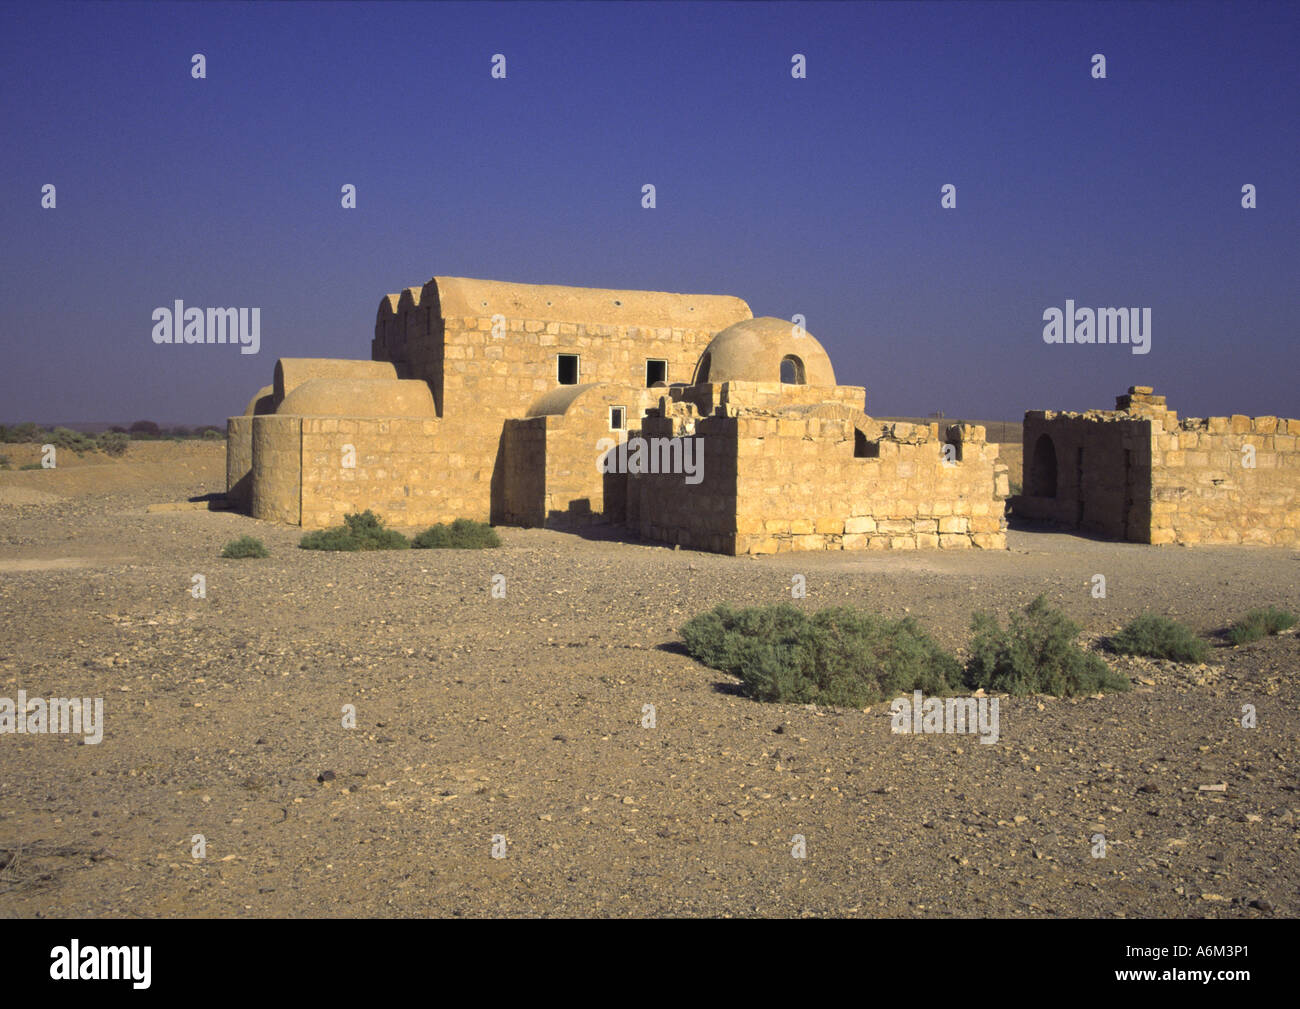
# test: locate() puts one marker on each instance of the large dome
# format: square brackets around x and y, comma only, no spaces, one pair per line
[756,349]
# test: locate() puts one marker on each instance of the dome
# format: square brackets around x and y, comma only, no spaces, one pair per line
[291,372]
[755,351]
[360,397]
[569,400]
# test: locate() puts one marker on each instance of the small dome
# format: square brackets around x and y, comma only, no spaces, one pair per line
[569,400]
[360,397]
[759,350]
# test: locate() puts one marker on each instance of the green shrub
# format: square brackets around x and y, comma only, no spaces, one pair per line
[22,433]
[1160,638]
[212,433]
[360,531]
[463,534]
[838,656]
[1258,623]
[73,441]
[31,465]
[1036,654]
[245,546]
[113,442]
[5,462]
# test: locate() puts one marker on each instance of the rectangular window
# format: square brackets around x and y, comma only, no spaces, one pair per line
[567,369]
[617,418]
[655,371]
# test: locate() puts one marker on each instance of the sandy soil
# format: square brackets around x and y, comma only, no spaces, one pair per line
[522,717]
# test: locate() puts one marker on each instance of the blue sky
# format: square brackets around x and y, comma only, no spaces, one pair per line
[818,196]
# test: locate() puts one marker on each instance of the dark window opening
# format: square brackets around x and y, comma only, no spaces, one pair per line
[655,372]
[864,449]
[617,418]
[1042,468]
[792,372]
[567,369]
[702,372]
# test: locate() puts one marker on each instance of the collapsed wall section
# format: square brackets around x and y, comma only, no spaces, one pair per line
[835,481]
[1139,473]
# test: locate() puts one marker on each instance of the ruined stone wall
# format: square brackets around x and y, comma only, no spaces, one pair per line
[1205,491]
[277,468]
[823,478]
[1141,474]
[1089,471]
[664,508]
[732,395]
[803,485]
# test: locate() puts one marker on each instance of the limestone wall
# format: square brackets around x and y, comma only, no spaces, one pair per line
[405,471]
[277,468]
[443,333]
[731,395]
[519,489]
[1141,474]
[805,484]
[239,461]
[665,508]
[822,478]
[1089,471]
[1204,490]
[555,455]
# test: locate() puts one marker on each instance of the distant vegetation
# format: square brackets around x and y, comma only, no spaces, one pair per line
[114,441]
[1159,638]
[245,546]
[463,534]
[364,531]
[1259,623]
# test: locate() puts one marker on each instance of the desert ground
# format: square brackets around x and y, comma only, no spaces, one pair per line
[522,717]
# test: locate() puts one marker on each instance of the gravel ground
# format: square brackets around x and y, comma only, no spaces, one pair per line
[522,718]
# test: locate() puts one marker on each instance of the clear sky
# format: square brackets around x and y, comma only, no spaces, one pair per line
[818,196]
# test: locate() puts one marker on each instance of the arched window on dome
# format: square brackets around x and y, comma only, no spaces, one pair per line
[792,371]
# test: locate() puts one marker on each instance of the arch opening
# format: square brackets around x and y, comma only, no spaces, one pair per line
[1042,468]
[792,371]
[702,372]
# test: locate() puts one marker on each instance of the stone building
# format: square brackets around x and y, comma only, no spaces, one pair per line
[1139,473]
[681,416]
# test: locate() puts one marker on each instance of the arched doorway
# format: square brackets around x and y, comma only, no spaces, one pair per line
[1042,468]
